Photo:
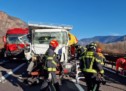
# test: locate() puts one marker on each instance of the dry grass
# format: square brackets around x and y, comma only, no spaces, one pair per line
[114,48]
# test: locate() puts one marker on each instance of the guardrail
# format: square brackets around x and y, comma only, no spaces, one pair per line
[111,59]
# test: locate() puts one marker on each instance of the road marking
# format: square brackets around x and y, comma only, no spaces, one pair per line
[11,72]
[77,85]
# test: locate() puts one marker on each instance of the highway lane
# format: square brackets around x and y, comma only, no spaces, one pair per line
[114,81]
[8,67]
[12,83]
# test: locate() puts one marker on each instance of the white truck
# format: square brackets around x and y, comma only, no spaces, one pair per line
[41,35]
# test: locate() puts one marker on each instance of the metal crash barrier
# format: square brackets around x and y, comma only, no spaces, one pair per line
[78,72]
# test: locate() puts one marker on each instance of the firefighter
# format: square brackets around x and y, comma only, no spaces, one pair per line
[50,66]
[80,50]
[101,56]
[91,68]
[120,63]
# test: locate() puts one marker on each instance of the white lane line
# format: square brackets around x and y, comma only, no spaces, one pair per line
[77,85]
[11,72]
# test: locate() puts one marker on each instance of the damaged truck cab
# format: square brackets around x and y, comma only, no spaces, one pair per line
[12,45]
[41,35]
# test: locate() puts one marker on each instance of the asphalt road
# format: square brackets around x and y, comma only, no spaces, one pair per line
[10,71]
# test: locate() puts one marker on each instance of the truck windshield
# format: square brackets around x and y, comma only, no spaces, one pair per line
[46,37]
[13,39]
[24,39]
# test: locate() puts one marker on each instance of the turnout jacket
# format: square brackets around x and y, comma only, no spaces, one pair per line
[51,60]
[102,58]
[90,63]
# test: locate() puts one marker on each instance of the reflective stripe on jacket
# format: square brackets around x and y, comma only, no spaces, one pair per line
[101,58]
[53,64]
[89,59]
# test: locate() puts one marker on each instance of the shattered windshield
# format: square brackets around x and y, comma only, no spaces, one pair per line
[25,39]
[46,37]
[13,39]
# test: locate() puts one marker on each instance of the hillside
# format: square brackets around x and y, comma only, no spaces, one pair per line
[7,21]
[109,44]
[103,39]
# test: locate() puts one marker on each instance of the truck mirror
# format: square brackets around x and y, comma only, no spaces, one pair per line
[4,39]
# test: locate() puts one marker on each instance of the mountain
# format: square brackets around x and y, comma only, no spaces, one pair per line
[7,21]
[102,39]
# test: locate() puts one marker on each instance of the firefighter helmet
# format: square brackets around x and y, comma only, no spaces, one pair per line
[54,43]
[92,46]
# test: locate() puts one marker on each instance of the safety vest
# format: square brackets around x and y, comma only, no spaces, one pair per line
[101,58]
[89,58]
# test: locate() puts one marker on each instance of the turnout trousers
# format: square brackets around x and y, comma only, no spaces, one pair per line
[90,79]
[53,84]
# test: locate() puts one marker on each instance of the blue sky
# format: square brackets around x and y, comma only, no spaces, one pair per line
[89,18]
